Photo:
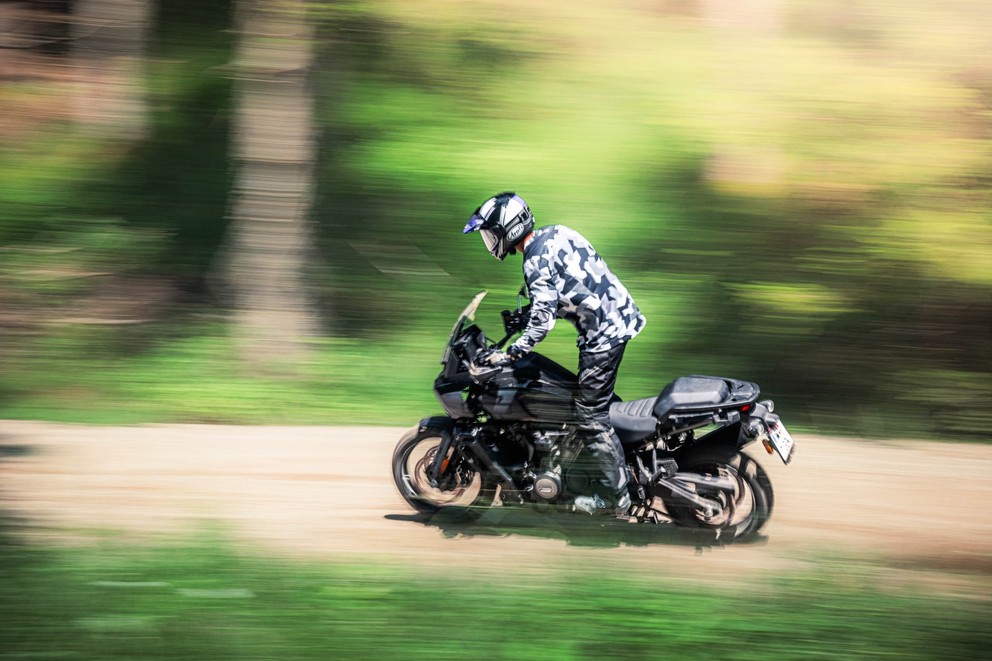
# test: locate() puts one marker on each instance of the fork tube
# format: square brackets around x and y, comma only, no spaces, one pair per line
[434,470]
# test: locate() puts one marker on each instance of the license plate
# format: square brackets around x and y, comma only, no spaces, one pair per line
[781,441]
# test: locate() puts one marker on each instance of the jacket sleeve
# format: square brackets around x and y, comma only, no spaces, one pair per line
[543,304]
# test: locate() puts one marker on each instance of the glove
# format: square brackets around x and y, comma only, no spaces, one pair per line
[497,358]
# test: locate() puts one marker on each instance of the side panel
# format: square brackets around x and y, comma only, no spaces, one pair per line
[450,392]
[502,401]
[549,402]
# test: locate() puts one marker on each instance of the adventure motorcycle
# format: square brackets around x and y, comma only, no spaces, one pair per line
[509,438]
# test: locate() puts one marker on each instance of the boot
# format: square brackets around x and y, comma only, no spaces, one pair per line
[591,505]
[604,452]
[596,506]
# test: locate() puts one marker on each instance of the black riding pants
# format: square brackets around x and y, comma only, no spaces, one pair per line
[597,378]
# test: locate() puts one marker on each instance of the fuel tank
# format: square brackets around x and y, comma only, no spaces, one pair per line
[535,388]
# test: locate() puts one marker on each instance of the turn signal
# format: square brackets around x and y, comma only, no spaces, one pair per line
[768,445]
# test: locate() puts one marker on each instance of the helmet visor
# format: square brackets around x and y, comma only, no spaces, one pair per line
[489,239]
[475,224]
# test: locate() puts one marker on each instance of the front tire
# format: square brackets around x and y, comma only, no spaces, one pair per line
[744,511]
[463,489]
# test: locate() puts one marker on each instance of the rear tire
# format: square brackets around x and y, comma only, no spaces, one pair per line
[744,511]
[467,492]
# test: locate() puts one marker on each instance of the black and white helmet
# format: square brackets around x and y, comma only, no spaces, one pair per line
[503,220]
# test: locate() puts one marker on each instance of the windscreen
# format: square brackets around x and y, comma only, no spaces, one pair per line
[467,313]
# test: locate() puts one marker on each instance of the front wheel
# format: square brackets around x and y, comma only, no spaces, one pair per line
[741,512]
[461,486]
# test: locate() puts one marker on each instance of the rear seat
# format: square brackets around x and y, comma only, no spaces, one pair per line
[691,392]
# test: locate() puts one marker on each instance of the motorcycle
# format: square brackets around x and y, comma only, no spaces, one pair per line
[508,437]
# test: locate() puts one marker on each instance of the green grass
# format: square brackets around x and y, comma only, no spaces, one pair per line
[206,601]
[200,379]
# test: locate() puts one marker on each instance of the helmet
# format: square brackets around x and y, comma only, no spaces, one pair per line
[503,221]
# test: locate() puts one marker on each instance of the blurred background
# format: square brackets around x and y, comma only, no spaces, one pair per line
[251,211]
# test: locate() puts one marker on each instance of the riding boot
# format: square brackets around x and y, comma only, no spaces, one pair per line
[605,455]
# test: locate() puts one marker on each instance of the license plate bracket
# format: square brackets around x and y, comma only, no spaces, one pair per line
[782,441]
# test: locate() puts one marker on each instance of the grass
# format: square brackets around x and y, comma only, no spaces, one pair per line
[200,379]
[206,601]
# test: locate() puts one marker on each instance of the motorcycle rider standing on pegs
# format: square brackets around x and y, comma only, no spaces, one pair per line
[567,278]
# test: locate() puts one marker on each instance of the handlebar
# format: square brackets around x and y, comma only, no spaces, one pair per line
[514,321]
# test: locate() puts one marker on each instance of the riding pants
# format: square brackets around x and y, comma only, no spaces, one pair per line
[597,379]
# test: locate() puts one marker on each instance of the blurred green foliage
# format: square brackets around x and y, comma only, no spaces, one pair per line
[803,201]
[204,601]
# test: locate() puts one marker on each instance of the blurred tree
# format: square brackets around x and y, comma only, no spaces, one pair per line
[274,150]
[744,36]
[107,51]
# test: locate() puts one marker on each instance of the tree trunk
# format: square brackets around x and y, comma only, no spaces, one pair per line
[107,54]
[274,152]
[749,159]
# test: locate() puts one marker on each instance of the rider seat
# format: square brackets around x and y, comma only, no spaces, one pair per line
[633,421]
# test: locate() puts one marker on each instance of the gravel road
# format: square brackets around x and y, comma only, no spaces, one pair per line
[326,492]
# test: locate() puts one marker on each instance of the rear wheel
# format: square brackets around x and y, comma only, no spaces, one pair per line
[740,513]
[461,487]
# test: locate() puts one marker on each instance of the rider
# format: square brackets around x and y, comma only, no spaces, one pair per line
[567,278]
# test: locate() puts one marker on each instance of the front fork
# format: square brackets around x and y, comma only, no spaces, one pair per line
[470,449]
[439,464]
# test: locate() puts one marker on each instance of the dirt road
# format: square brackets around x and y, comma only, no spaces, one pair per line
[328,493]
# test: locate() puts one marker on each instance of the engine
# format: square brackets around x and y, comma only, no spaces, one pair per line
[541,460]
[555,449]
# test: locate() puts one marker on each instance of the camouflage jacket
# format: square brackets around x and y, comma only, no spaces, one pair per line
[567,278]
